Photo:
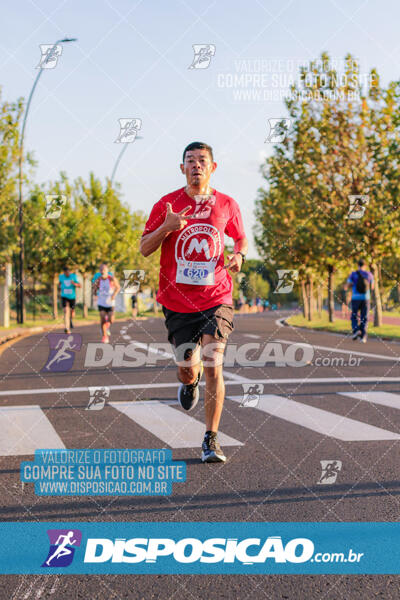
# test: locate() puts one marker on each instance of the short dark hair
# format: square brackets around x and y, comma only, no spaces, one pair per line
[361,262]
[198,146]
[66,268]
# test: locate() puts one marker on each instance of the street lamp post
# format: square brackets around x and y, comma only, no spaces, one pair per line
[21,256]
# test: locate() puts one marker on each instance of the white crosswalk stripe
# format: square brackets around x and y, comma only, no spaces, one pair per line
[320,421]
[173,427]
[24,429]
[382,398]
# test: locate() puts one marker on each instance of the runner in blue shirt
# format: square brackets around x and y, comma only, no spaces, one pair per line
[362,282]
[68,282]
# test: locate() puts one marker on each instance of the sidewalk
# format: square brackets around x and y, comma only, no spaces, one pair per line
[15,332]
[10,334]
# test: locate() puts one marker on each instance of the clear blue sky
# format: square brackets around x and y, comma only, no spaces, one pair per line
[132,59]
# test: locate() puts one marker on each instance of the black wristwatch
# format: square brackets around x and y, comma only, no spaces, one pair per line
[242,255]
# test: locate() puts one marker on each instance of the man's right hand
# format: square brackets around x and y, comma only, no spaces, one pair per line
[175,221]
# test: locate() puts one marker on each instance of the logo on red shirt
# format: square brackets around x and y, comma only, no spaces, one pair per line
[197,251]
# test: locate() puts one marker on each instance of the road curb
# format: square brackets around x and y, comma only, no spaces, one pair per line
[341,333]
[8,340]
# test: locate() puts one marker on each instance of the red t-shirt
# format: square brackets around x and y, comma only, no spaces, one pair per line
[192,277]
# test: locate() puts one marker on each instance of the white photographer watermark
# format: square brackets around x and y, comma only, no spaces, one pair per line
[358,205]
[251,354]
[256,80]
[286,280]
[54,205]
[98,397]
[128,129]
[279,128]
[203,54]
[251,394]
[132,280]
[50,55]
[329,471]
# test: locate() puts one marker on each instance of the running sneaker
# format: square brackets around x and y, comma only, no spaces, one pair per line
[67,331]
[363,339]
[356,334]
[104,339]
[188,395]
[211,450]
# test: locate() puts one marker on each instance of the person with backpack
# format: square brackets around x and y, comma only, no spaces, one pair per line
[362,282]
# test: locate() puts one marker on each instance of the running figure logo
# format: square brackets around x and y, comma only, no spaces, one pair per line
[54,204]
[251,394]
[357,207]
[63,543]
[62,351]
[204,206]
[50,55]
[128,130]
[203,54]
[278,130]
[98,397]
[287,278]
[330,470]
[132,280]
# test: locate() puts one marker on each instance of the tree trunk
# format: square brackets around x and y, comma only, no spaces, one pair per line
[55,296]
[304,298]
[155,301]
[34,300]
[310,290]
[84,288]
[377,297]
[319,300]
[331,296]
[5,274]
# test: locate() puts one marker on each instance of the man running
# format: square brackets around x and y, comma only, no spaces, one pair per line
[68,282]
[362,282]
[106,287]
[195,288]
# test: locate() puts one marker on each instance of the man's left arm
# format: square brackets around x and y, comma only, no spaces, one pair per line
[235,230]
[236,259]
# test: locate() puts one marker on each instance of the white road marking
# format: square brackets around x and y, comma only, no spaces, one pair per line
[152,386]
[235,377]
[280,323]
[367,354]
[173,427]
[252,335]
[382,398]
[163,353]
[23,429]
[320,421]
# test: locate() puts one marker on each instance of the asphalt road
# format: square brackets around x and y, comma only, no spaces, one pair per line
[277,442]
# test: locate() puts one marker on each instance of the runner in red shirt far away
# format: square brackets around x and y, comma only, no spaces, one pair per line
[195,288]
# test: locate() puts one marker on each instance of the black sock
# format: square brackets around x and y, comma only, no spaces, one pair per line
[208,433]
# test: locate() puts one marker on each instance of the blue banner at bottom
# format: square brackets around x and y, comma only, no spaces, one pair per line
[199,548]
